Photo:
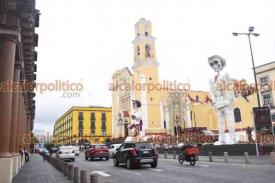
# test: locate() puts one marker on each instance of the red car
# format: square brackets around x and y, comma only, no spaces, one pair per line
[97,151]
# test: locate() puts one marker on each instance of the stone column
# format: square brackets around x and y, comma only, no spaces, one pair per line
[19,139]
[161,115]
[7,57]
[14,124]
[29,133]
[23,127]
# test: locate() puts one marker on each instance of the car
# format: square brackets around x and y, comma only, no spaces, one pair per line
[97,151]
[46,151]
[135,154]
[65,153]
[76,150]
[113,148]
[53,149]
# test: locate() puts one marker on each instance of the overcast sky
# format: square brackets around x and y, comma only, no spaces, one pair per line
[85,41]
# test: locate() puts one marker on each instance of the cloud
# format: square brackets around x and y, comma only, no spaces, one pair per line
[90,40]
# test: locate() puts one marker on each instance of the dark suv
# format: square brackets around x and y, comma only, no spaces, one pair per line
[134,154]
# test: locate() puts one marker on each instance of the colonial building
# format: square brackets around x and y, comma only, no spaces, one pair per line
[164,107]
[266,83]
[18,20]
[83,125]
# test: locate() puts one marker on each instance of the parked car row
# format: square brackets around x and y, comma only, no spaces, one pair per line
[130,154]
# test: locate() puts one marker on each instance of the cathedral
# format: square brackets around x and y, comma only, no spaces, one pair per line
[164,106]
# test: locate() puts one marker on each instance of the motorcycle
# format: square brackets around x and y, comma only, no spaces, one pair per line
[189,153]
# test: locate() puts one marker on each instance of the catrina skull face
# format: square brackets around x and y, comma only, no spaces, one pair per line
[216,65]
[136,104]
[216,62]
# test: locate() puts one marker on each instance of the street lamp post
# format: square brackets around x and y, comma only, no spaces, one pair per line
[251,32]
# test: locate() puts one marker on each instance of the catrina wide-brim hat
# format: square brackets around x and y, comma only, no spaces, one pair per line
[137,102]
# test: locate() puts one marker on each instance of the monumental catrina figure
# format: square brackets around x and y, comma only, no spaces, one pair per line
[223,97]
[136,125]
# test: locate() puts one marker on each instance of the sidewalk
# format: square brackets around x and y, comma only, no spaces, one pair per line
[262,160]
[38,171]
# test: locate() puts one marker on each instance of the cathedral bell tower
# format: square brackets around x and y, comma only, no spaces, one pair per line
[144,44]
[145,74]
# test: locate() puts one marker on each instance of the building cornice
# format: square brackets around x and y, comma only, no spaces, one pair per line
[83,108]
[142,38]
[148,62]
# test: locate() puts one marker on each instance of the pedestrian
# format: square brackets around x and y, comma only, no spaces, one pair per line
[27,156]
[21,152]
[165,148]
[44,154]
[249,134]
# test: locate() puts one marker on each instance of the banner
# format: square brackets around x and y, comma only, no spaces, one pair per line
[263,129]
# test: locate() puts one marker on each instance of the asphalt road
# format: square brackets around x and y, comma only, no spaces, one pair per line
[169,170]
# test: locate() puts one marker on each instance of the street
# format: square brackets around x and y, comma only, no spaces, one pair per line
[169,170]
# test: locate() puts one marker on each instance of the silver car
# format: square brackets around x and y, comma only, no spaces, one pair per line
[113,148]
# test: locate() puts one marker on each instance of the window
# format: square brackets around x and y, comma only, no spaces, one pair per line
[237,115]
[267,99]
[146,33]
[80,120]
[80,133]
[92,120]
[164,124]
[103,123]
[147,50]
[80,116]
[197,98]
[138,50]
[264,80]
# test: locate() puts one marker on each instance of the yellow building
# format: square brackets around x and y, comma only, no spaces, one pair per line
[163,107]
[91,124]
[266,82]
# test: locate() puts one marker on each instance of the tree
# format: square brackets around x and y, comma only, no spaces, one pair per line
[35,140]
[48,145]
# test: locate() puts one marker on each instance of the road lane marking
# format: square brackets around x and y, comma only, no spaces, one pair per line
[203,166]
[155,169]
[101,173]
[131,172]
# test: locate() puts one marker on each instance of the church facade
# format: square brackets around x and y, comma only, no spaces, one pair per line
[164,105]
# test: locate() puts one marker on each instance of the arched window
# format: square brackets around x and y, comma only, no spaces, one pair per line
[147,50]
[138,51]
[237,115]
